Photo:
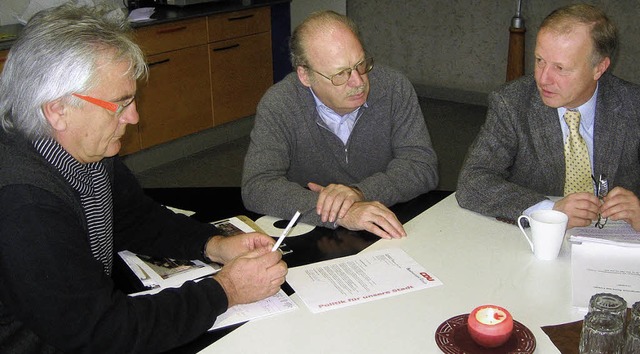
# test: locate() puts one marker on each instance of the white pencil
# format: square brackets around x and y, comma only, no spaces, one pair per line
[286,231]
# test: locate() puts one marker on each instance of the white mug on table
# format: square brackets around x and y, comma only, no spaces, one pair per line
[548,228]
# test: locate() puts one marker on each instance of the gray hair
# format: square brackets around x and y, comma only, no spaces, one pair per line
[56,55]
[317,21]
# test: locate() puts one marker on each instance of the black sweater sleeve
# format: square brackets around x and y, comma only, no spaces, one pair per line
[144,226]
[53,287]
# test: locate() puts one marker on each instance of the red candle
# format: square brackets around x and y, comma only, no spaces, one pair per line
[490,326]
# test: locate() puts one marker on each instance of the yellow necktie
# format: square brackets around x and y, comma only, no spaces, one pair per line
[576,157]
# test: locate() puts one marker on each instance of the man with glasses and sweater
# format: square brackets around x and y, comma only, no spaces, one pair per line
[339,139]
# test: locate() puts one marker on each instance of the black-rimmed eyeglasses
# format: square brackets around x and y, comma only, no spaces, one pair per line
[341,77]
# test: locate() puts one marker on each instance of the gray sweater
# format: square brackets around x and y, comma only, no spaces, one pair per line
[388,156]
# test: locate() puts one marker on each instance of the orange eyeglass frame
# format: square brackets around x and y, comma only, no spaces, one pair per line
[110,106]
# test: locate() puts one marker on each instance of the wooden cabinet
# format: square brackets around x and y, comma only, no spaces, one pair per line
[241,62]
[3,58]
[176,99]
[202,72]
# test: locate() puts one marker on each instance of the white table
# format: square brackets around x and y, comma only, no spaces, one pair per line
[479,260]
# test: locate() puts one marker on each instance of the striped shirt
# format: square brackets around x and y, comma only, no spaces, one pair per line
[91,181]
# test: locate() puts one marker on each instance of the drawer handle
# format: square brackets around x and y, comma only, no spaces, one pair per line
[226,48]
[240,18]
[169,30]
[158,62]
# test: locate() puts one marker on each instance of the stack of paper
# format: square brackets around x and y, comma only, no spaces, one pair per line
[605,260]
[614,233]
[157,274]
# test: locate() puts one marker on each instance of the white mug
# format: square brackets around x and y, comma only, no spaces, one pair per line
[547,232]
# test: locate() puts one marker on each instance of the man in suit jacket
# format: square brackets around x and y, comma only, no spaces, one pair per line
[518,157]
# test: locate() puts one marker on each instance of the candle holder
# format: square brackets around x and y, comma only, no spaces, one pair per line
[490,326]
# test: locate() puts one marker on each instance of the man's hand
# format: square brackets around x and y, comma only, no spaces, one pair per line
[622,204]
[581,208]
[334,200]
[252,277]
[373,217]
[221,249]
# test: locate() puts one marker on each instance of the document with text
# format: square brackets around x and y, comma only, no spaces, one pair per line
[276,304]
[604,268]
[617,233]
[360,278]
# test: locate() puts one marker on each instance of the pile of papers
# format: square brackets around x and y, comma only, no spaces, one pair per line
[605,260]
[157,274]
[613,233]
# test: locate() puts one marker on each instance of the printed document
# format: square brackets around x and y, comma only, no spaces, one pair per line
[604,266]
[360,278]
[278,303]
[605,260]
[614,233]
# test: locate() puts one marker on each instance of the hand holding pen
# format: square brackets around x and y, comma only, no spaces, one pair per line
[286,231]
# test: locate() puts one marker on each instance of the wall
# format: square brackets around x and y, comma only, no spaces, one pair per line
[301,8]
[457,49]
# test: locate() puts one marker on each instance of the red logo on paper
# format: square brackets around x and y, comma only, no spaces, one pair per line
[427,276]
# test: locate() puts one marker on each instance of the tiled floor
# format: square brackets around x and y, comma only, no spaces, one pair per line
[220,166]
[452,127]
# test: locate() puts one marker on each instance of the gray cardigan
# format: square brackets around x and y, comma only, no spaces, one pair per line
[517,158]
[388,156]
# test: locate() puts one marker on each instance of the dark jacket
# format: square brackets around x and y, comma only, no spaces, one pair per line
[55,295]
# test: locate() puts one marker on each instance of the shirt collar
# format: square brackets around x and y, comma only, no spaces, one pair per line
[323,109]
[587,110]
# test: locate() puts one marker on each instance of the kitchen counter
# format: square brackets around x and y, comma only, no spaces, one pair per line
[167,13]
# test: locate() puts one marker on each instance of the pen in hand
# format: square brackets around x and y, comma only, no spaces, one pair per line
[286,231]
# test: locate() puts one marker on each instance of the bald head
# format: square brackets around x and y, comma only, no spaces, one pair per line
[315,27]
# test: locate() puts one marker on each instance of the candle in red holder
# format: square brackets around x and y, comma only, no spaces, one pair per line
[490,326]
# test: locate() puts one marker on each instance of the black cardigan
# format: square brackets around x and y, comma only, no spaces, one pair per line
[54,295]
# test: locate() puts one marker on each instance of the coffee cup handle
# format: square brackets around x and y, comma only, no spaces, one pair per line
[522,229]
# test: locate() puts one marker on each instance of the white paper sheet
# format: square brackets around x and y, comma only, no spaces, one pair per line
[604,268]
[360,278]
[141,14]
[278,303]
[181,211]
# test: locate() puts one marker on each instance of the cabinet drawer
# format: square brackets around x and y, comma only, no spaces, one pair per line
[239,23]
[171,36]
[176,100]
[241,72]
[3,58]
